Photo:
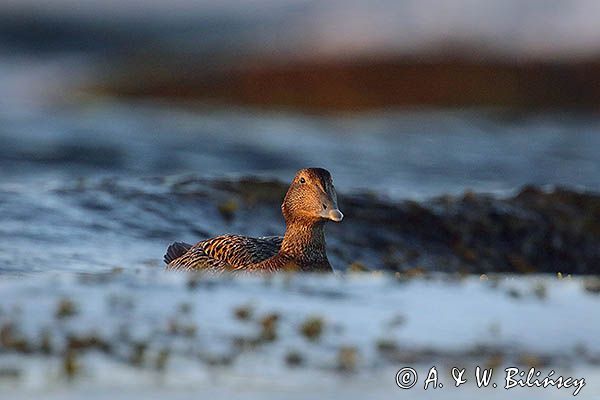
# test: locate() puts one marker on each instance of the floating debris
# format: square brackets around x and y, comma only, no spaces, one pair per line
[494,361]
[533,361]
[86,342]
[347,358]
[71,366]
[294,359]
[46,342]
[177,327]
[269,327]
[161,360]
[138,353]
[218,360]
[386,346]
[312,328]
[11,339]
[243,313]
[65,308]
[410,273]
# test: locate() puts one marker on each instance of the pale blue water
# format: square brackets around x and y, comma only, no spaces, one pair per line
[401,154]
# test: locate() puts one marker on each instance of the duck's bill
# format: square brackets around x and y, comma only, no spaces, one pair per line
[334,215]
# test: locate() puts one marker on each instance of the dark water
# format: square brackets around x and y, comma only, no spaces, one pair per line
[405,155]
[83,187]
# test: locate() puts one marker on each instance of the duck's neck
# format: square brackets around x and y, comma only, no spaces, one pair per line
[304,244]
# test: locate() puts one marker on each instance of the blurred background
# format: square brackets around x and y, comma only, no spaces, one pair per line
[415,97]
[463,138]
[401,101]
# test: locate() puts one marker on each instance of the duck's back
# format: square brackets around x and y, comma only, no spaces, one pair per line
[227,252]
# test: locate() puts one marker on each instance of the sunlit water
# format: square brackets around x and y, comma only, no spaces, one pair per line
[85,188]
[138,335]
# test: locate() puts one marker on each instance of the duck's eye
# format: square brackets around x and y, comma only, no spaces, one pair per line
[302,180]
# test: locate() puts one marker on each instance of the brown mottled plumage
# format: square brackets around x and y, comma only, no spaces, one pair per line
[310,201]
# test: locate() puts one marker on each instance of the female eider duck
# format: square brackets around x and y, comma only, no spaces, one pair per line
[309,202]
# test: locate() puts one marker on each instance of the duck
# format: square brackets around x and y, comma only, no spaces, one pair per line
[310,202]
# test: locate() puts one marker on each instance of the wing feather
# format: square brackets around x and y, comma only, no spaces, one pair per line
[227,252]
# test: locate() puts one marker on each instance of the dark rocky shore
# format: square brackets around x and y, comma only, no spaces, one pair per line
[533,231]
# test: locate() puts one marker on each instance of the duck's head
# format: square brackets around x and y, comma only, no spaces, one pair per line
[311,197]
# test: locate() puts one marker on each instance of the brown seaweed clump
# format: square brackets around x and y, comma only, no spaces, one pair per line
[312,328]
[65,308]
[347,358]
[268,324]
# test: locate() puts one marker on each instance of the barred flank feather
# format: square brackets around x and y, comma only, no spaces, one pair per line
[227,252]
